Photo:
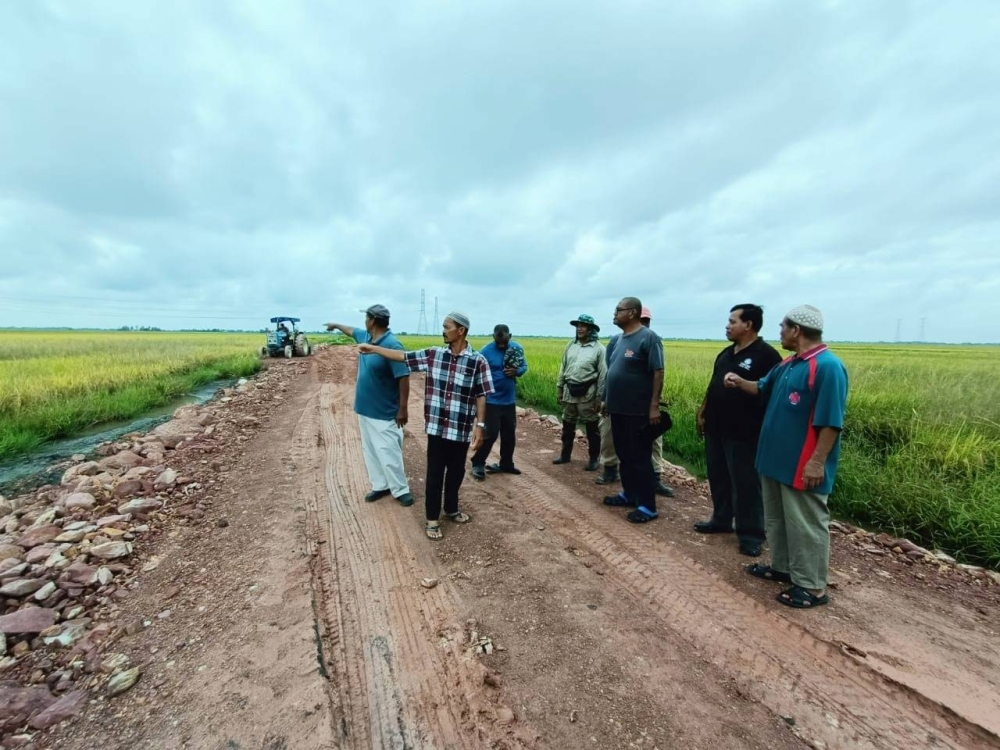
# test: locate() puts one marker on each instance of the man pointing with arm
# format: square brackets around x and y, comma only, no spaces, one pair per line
[458,382]
[380,401]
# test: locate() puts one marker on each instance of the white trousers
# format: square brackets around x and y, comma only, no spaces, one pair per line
[382,446]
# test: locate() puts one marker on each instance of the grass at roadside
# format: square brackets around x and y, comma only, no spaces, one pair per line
[54,384]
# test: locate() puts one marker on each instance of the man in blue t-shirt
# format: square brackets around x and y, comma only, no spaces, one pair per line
[797,456]
[507,363]
[380,401]
[632,393]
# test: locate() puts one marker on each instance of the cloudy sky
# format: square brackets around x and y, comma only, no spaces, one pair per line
[210,164]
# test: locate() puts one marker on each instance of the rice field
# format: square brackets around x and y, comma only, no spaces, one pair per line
[54,384]
[921,445]
[921,453]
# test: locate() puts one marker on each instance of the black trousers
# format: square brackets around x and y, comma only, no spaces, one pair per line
[501,421]
[735,486]
[634,445]
[445,470]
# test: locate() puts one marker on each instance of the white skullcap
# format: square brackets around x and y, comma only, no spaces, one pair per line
[806,316]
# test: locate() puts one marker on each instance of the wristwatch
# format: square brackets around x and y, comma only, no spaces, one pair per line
[481,425]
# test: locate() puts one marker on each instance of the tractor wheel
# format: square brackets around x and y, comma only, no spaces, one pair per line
[288,351]
[301,347]
[306,350]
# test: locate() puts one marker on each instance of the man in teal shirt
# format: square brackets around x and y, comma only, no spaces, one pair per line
[380,401]
[797,456]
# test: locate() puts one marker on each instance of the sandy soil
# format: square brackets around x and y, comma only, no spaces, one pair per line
[296,618]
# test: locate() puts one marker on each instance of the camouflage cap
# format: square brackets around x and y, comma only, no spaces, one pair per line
[586,320]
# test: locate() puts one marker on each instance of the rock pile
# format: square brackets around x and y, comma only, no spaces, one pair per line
[69,553]
[908,553]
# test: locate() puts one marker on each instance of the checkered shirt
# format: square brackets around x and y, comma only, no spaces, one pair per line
[453,385]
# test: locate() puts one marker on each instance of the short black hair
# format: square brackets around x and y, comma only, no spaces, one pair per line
[633,303]
[752,314]
[501,328]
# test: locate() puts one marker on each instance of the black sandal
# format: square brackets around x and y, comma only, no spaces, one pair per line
[801,598]
[768,573]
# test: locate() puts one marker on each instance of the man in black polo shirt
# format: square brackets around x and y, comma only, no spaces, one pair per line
[730,422]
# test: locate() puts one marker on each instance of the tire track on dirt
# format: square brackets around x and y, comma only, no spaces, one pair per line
[835,699]
[396,651]
[378,718]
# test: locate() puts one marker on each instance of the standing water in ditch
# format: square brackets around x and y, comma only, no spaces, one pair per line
[36,468]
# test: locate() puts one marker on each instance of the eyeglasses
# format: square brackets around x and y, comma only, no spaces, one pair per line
[623,309]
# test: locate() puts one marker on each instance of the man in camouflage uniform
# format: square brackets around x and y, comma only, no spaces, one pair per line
[581,383]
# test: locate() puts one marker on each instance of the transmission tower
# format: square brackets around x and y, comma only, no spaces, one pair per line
[422,321]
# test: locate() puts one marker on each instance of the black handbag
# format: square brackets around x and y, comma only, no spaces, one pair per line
[579,390]
[665,423]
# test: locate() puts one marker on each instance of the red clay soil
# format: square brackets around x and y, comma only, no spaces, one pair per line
[292,615]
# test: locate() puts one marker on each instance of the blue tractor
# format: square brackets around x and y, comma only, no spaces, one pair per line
[286,340]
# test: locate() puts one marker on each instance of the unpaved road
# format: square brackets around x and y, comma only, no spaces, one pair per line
[302,622]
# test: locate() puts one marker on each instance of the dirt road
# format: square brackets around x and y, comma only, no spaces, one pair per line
[296,618]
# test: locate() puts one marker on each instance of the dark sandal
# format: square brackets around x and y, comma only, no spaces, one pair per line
[618,501]
[642,514]
[768,573]
[800,598]
[433,531]
[459,517]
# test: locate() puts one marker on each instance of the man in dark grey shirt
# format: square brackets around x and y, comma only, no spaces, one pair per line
[632,397]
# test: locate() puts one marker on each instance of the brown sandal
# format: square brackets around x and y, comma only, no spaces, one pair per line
[433,531]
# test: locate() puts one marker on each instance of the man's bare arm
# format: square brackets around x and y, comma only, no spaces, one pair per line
[403,415]
[654,404]
[477,432]
[347,330]
[732,380]
[395,355]
[814,471]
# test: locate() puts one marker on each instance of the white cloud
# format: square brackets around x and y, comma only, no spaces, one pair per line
[524,162]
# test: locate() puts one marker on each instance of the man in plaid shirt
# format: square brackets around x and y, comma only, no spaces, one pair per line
[458,382]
